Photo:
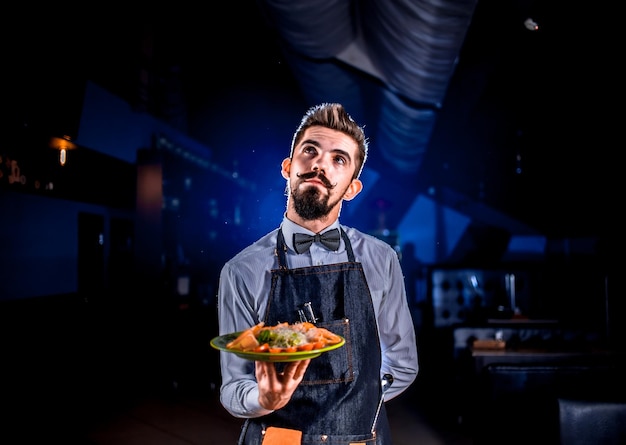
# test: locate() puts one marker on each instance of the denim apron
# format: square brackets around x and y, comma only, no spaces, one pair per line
[337,400]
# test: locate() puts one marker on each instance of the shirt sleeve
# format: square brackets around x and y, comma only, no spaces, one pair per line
[396,328]
[239,393]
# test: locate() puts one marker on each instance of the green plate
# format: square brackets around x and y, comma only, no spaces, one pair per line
[221,342]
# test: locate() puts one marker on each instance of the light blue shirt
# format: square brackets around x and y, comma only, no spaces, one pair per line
[243,292]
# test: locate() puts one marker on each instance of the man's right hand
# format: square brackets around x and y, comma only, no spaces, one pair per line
[276,388]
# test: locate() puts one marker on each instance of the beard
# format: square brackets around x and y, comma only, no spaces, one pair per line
[311,204]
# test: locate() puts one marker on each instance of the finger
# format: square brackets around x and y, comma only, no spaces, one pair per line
[265,370]
[259,371]
[302,366]
[295,370]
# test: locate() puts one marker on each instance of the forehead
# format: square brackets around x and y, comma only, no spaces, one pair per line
[329,139]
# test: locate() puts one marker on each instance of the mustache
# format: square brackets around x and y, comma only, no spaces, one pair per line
[320,176]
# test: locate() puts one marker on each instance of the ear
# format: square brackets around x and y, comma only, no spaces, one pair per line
[285,168]
[354,189]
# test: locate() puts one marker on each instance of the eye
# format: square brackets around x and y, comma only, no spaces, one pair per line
[310,149]
[340,160]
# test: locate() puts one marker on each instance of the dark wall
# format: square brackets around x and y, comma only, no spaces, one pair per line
[42,225]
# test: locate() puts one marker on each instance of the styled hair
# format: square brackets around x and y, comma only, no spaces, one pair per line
[335,117]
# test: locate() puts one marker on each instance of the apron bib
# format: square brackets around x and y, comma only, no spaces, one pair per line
[337,400]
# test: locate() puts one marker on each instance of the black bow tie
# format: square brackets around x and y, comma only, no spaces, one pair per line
[330,239]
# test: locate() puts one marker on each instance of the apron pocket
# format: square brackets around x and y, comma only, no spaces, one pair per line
[335,366]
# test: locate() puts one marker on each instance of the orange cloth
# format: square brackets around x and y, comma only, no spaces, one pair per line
[281,436]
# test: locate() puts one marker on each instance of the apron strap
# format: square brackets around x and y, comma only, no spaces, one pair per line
[348,244]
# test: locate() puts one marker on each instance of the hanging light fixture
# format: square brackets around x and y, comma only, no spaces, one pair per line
[531,25]
[63,144]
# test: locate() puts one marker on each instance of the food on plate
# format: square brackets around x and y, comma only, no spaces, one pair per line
[283,337]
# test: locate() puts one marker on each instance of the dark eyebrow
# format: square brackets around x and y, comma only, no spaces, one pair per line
[311,142]
[317,144]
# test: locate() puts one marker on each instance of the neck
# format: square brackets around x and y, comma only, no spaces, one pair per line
[316,225]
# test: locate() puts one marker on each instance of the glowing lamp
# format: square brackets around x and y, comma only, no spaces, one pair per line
[63,144]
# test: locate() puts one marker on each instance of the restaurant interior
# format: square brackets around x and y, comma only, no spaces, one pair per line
[141,151]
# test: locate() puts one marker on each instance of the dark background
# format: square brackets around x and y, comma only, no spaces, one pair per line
[109,264]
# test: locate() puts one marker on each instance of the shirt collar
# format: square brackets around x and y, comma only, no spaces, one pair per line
[289,228]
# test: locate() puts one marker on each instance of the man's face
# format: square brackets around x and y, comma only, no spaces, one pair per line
[320,172]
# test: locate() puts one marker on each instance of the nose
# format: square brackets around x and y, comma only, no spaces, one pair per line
[319,165]
[318,168]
